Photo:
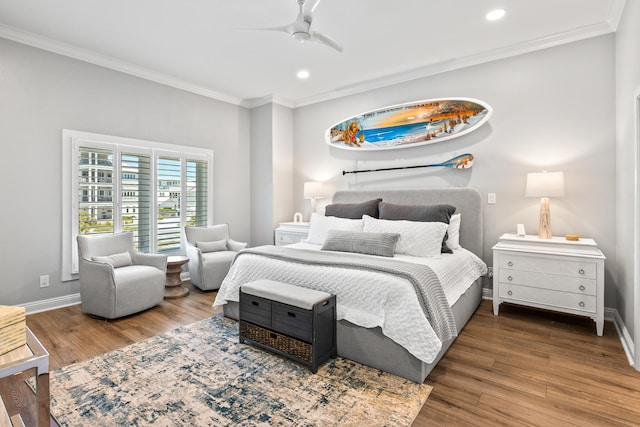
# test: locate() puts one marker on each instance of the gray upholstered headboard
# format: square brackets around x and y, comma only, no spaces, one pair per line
[466,200]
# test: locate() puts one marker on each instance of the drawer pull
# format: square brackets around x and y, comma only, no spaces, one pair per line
[510,264]
[582,288]
[581,271]
[256,303]
[290,314]
[509,278]
[581,303]
[509,292]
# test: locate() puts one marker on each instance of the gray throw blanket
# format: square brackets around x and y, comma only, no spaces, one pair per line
[426,284]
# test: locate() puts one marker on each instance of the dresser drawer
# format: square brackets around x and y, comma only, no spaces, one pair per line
[293,321]
[577,285]
[527,295]
[255,309]
[559,266]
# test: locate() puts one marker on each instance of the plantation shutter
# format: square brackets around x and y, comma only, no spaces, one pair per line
[197,176]
[136,195]
[168,197]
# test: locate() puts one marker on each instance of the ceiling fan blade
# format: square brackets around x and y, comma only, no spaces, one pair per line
[282,29]
[326,40]
[313,8]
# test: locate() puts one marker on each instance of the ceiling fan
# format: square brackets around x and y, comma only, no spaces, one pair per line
[300,29]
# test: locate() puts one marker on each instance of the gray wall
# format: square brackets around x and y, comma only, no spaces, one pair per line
[40,94]
[271,170]
[627,89]
[261,174]
[553,109]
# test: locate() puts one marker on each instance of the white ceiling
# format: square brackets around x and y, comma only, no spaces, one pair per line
[193,44]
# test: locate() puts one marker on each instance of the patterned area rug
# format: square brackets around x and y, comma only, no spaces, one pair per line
[199,375]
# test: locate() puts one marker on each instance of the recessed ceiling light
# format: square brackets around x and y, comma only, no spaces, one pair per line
[303,74]
[496,14]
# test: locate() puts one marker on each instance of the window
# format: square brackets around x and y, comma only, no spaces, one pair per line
[118,184]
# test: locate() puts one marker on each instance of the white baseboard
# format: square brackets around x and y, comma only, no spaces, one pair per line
[626,340]
[51,304]
[609,314]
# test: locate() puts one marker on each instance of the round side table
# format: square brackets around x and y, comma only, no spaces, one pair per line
[173,286]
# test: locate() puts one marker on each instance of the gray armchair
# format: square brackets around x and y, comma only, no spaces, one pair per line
[115,280]
[210,252]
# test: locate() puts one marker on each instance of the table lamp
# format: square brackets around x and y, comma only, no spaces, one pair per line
[313,191]
[544,185]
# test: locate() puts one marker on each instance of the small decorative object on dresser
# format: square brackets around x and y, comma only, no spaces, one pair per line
[291,232]
[554,274]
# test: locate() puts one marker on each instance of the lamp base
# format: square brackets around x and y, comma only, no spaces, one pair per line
[544,226]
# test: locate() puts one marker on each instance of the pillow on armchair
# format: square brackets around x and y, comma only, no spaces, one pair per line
[215,246]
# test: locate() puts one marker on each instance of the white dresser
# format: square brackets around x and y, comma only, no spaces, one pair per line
[291,232]
[554,274]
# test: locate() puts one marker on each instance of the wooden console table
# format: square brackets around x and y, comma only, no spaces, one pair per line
[32,355]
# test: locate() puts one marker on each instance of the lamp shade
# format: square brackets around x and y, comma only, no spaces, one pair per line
[313,190]
[545,184]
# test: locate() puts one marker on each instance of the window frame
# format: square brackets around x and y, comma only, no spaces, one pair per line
[72,140]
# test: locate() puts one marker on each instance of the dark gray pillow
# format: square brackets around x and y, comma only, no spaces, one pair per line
[421,213]
[382,244]
[353,210]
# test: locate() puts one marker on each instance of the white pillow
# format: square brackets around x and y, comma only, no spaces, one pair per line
[319,225]
[116,260]
[453,232]
[423,239]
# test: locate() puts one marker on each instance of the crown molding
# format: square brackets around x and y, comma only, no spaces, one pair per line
[616,7]
[269,99]
[558,39]
[75,52]
[615,12]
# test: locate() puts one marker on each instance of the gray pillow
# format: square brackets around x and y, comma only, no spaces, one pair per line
[353,210]
[382,244]
[422,213]
[215,246]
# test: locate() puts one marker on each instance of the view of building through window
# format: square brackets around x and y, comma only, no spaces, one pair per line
[99,181]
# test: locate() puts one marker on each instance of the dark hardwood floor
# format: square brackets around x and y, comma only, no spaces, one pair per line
[524,367]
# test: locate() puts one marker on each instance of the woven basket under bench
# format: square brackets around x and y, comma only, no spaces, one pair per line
[294,322]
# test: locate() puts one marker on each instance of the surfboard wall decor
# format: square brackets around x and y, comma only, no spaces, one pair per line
[409,125]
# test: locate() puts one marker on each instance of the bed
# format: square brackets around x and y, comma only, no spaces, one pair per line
[381,345]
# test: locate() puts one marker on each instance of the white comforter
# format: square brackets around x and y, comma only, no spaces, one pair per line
[367,298]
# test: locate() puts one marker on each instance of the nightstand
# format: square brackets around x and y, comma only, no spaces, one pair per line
[291,232]
[553,274]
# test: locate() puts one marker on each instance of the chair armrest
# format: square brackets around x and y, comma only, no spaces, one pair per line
[158,261]
[96,272]
[236,246]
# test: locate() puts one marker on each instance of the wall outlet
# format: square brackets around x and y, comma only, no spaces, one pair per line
[490,273]
[44,281]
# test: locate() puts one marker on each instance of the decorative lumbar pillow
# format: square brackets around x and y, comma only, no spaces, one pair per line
[453,232]
[382,244]
[353,210]
[422,213]
[216,246]
[236,246]
[116,260]
[422,239]
[319,225]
